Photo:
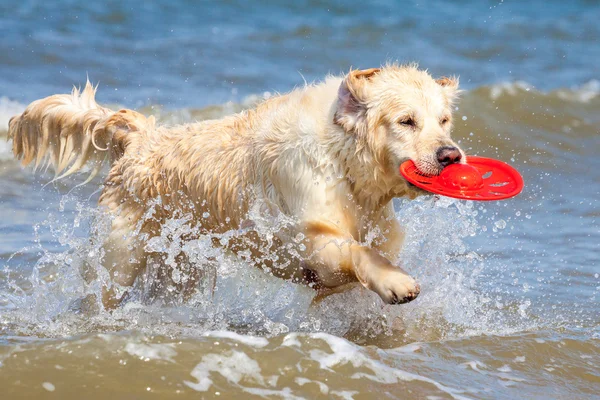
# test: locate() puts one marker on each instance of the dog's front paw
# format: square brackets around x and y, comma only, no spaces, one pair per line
[396,287]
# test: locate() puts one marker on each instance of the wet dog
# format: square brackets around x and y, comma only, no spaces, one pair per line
[326,155]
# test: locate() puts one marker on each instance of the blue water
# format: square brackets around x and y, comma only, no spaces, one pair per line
[191,54]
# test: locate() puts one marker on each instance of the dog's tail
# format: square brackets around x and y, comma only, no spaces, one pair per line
[69,131]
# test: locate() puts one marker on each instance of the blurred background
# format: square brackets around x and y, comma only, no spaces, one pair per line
[196,53]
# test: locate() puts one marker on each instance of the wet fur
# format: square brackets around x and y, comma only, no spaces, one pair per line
[326,155]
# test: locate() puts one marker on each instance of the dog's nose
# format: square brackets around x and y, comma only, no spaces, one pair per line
[448,155]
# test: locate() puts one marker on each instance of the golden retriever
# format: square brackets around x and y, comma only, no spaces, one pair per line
[325,155]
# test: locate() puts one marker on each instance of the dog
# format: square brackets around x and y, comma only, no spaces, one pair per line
[326,155]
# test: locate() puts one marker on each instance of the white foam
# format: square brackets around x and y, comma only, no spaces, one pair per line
[505,368]
[248,340]
[290,340]
[323,388]
[409,348]
[509,88]
[106,337]
[344,394]
[48,386]
[233,366]
[285,393]
[583,93]
[345,352]
[8,109]
[154,351]
[475,365]
[508,377]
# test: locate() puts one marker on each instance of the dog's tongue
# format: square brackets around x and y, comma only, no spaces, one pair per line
[479,179]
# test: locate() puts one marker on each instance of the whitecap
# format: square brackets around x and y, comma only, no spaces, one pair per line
[8,109]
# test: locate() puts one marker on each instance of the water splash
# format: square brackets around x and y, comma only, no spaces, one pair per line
[54,296]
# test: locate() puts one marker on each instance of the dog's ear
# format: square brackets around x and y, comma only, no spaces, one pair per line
[450,86]
[352,97]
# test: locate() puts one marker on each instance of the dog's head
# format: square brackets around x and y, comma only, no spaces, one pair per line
[399,113]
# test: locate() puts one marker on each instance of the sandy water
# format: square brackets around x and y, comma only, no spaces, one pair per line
[510,290]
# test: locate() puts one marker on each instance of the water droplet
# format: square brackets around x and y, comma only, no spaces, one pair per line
[464,117]
[205,215]
[176,275]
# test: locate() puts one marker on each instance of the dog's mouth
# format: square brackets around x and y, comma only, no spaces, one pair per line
[425,167]
[428,168]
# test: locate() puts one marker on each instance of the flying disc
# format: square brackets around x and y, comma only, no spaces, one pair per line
[480,178]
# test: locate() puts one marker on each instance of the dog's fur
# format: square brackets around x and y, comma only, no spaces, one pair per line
[326,155]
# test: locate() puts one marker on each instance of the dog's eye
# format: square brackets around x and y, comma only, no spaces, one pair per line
[445,120]
[409,122]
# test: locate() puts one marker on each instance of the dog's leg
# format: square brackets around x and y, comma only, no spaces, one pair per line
[392,235]
[124,259]
[338,259]
[377,273]
[323,293]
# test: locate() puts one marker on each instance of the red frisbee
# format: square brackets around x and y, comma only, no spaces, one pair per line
[480,178]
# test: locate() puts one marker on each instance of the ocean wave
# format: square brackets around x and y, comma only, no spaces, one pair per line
[318,365]
[584,94]
[8,109]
